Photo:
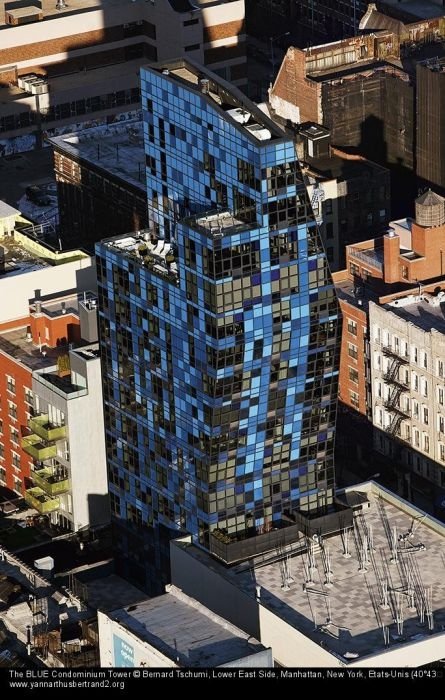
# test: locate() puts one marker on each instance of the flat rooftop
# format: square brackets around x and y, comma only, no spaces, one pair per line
[72,7]
[64,305]
[244,113]
[186,631]
[117,148]
[156,254]
[217,224]
[425,312]
[348,618]
[18,258]
[16,344]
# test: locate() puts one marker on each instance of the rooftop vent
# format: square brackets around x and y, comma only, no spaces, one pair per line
[241,116]
[204,84]
[260,132]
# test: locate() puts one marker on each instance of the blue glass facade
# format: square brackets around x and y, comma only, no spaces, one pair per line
[219,332]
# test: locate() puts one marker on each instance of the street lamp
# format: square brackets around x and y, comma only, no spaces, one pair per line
[272,39]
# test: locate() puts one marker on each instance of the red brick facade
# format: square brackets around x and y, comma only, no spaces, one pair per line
[15,464]
[352,380]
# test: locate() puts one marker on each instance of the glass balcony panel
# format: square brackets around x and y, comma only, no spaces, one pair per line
[41,426]
[38,448]
[50,482]
[38,499]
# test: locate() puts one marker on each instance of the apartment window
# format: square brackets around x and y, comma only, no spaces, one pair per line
[440,368]
[15,460]
[425,415]
[1,427]
[17,485]
[354,399]
[442,452]
[379,389]
[12,410]
[407,432]
[15,436]
[29,399]
[415,354]
[425,360]
[190,22]
[192,47]
[425,388]
[416,410]
[329,231]
[441,423]
[2,451]
[426,443]
[440,395]
[10,384]
[404,272]
[415,382]
[380,417]
[377,361]
[353,375]
[377,334]
[416,438]
[328,206]
[352,327]
[382,214]
[352,351]
[354,269]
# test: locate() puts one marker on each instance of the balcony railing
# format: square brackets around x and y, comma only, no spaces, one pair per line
[41,426]
[38,448]
[38,499]
[49,482]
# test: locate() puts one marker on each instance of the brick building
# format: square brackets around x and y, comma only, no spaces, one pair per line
[397,280]
[364,90]
[100,175]
[61,65]
[38,319]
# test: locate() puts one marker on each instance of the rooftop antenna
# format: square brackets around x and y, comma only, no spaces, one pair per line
[399,615]
[363,558]
[290,578]
[284,576]
[410,592]
[429,607]
[384,596]
[421,611]
[371,547]
[308,572]
[328,571]
[328,607]
[345,535]
[394,559]
[312,560]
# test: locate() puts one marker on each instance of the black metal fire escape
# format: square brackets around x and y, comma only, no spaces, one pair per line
[397,388]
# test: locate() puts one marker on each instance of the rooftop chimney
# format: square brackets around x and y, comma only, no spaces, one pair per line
[391,252]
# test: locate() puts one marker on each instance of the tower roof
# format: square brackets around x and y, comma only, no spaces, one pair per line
[429,199]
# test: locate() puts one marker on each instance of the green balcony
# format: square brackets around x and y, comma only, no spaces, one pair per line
[41,426]
[49,482]
[38,499]
[38,448]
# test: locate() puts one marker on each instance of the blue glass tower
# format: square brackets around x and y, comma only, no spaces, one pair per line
[219,332]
